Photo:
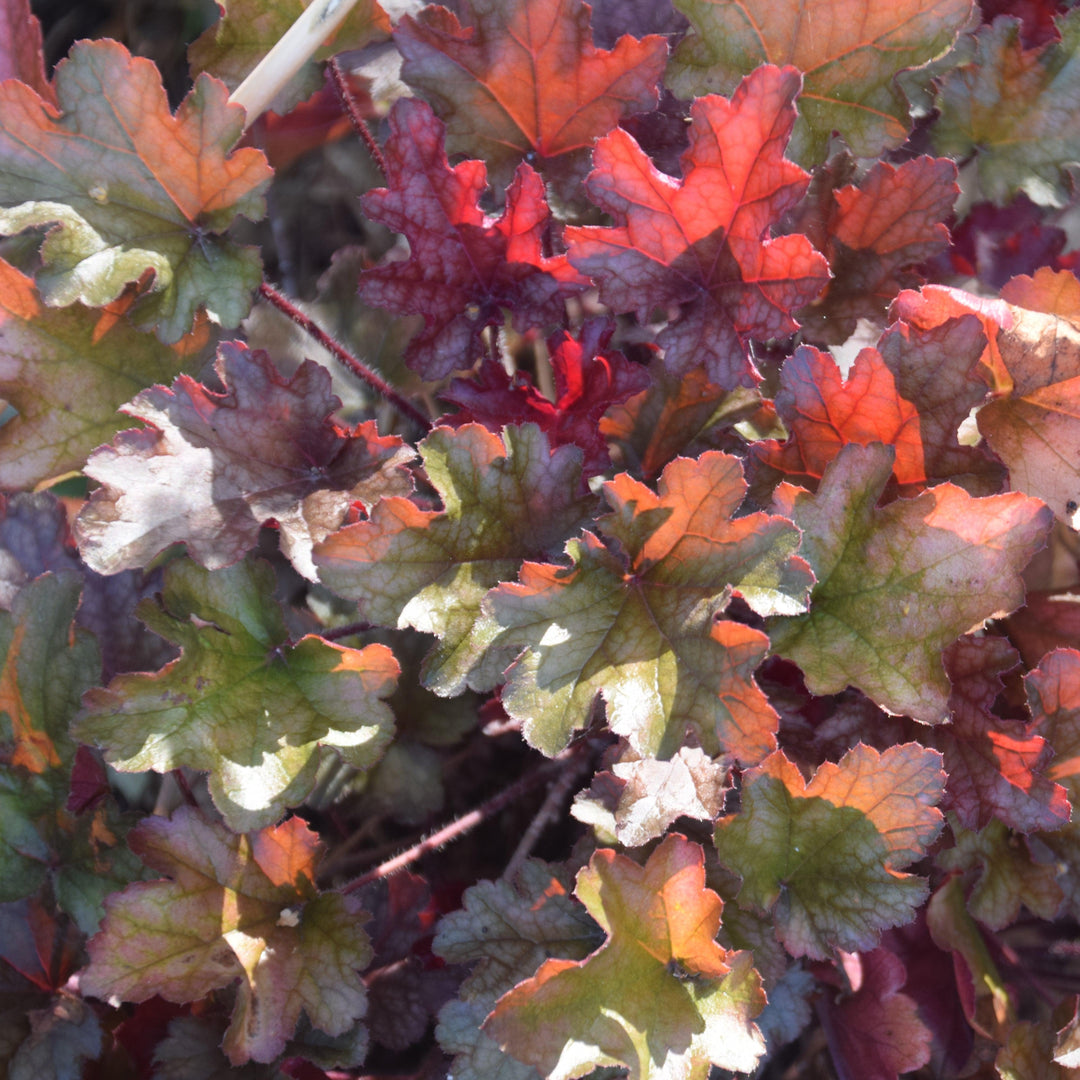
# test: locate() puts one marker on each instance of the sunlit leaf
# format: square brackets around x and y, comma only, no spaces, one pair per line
[124,186]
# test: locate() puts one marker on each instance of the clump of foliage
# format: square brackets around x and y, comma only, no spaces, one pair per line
[699,528]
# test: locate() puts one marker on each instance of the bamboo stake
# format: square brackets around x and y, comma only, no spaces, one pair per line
[300,42]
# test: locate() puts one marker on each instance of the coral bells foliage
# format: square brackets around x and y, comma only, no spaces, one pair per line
[701,449]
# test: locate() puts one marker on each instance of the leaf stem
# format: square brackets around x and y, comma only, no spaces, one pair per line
[331,344]
[458,828]
[316,23]
[341,85]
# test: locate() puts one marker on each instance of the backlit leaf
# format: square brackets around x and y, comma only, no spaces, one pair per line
[209,469]
[589,379]
[849,54]
[66,373]
[997,768]
[1035,429]
[464,267]
[1016,109]
[641,625]
[824,857]
[131,187]
[899,583]
[823,414]
[258,713]
[21,48]
[624,1004]
[221,917]
[504,500]
[520,77]
[700,245]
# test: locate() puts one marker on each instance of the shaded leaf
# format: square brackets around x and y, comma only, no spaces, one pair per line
[700,244]
[849,56]
[504,499]
[209,469]
[1016,110]
[824,857]
[1006,875]
[192,1051]
[523,77]
[60,371]
[130,187]
[589,379]
[642,625]
[510,928]
[875,1033]
[464,267]
[1027,1054]
[624,1004]
[63,1037]
[247,30]
[899,583]
[676,416]
[226,914]
[997,768]
[241,702]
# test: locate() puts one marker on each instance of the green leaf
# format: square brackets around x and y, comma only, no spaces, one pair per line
[660,996]
[258,713]
[236,907]
[642,627]
[62,1038]
[899,583]
[129,187]
[510,928]
[504,500]
[849,54]
[824,857]
[66,373]
[1016,109]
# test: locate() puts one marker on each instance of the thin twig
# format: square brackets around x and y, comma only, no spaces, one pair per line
[456,829]
[341,85]
[572,773]
[357,367]
[336,633]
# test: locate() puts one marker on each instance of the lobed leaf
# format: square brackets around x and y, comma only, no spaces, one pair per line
[522,77]
[66,373]
[850,55]
[897,584]
[210,469]
[123,187]
[463,268]
[823,858]
[1015,108]
[624,1004]
[256,712]
[643,627]
[226,912]
[700,244]
[504,499]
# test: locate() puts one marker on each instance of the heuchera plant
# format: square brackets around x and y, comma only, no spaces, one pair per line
[710,462]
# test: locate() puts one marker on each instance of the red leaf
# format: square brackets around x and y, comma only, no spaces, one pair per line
[995,766]
[700,243]
[874,236]
[20,48]
[464,267]
[589,379]
[822,414]
[875,1033]
[523,77]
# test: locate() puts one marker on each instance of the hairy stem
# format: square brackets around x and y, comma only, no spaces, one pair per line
[341,85]
[357,367]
